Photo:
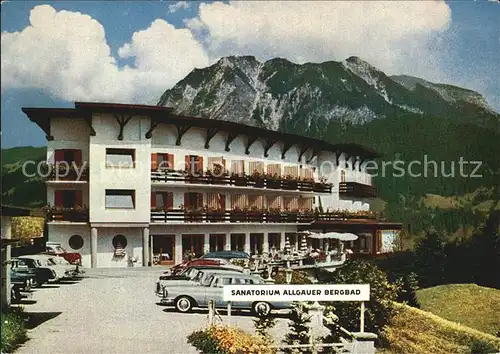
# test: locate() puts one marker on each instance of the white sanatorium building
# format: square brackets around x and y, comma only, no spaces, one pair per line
[148,186]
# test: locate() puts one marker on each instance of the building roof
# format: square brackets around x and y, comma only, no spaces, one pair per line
[166,115]
[8,210]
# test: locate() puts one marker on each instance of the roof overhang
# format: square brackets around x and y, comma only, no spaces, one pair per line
[166,115]
[8,210]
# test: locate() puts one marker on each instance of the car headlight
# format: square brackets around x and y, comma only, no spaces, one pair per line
[165,292]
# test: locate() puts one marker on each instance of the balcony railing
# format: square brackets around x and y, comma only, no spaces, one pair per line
[359,190]
[63,172]
[244,216]
[275,183]
[67,214]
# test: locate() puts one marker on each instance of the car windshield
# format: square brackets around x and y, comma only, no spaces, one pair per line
[208,280]
[193,273]
[51,261]
[198,276]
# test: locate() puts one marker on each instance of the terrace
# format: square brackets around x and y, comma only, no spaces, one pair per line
[357,190]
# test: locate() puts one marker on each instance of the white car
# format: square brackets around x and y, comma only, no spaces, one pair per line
[61,268]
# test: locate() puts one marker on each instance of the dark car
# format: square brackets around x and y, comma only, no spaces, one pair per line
[24,281]
[175,270]
[226,255]
[28,266]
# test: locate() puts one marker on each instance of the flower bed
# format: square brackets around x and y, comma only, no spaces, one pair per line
[223,339]
[13,330]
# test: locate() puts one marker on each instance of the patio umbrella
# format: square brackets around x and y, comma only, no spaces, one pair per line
[287,244]
[342,236]
[303,244]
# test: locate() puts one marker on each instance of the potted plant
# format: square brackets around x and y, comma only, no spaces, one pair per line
[238,215]
[273,181]
[290,183]
[273,215]
[195,215]
[216,214]
[306,184]
[238,179]
[255,215]
[217,175]
[258,179]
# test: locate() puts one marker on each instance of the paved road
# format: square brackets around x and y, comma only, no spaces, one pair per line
[114,311]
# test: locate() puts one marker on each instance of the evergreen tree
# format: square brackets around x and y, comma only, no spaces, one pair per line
[262,326]
[299,329]
[431,258]
[408,290]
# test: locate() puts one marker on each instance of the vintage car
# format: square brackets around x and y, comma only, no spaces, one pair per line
[19,283]
[190,272]
[55,249]
[198,279]
[62,271]
[185,298]
[29,266]
[195,262]
[227,255]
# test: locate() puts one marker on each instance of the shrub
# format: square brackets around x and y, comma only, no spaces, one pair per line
[408,287]
[262,326]
[13,330]
[379,310]
[298,278]
[416,331]
[299,329]
[225,340]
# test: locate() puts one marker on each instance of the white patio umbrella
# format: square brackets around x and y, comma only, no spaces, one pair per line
[287,244]
[341,236]
[303,243]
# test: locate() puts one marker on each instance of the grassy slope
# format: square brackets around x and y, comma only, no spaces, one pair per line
[469,304]
[414,331]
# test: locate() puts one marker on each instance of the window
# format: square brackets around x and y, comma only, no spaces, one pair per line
[67,198]
[342,176]
[120,157]
[120,198]
[194,164]
[193,201]
[68,155]
[76,242]
[164,199]
[119,241]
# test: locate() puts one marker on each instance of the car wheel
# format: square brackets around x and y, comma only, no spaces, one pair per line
[261,308]
[36,283]
[183,304]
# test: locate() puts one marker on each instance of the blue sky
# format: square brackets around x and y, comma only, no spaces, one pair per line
[133,51]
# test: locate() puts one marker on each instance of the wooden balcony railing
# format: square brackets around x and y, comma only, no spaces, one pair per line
[61,172]
[243,181]
[235,216]
[67,214]
[358,190]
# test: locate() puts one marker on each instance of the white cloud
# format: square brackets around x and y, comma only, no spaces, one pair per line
[385,34]
[177,6]
[67,54]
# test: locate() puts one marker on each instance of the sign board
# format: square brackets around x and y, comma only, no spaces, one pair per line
[291,293]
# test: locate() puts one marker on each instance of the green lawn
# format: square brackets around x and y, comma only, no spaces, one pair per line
[468,304]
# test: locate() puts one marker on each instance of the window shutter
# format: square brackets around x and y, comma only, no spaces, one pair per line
[187,164]
[170,159]
[78,157]
[199,200]
[153,200]
[170,200]
[200,164]
[58,156]
[78,198]
[222,201]
[186,201]
[154,162]
[58,198]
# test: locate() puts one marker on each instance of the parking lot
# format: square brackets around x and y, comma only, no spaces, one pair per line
[115,311]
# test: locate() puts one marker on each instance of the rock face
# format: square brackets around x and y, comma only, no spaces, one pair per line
[281,95]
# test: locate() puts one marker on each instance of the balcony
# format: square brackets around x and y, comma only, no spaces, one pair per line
[357,190]
[64,173]
[252,181]
[58,214]
[251,216]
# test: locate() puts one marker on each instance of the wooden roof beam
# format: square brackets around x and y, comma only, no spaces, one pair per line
[268,146]
[122,122]
[286,147]
[250,141]
[316,151]
[230,138]
[303,150]
[181,130]
[211,132]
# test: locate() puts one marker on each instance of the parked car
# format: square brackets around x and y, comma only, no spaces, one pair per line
[195,262]
[185,298]
[61,271]
[200,278]
[228,255]
[55,249]
[24,281]
[29,266]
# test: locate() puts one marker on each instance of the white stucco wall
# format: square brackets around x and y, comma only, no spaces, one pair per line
[61,233]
